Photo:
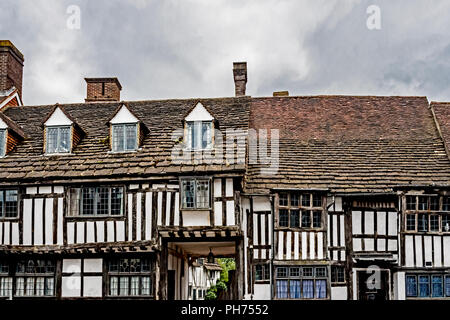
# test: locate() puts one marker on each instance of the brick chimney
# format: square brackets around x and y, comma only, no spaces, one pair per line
[103,89]
[240,78]
[11,67]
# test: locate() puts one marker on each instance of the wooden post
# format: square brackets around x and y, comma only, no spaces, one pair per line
[239,280]
[163,265]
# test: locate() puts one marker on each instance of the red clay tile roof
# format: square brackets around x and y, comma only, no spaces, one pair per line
[442,112]
[91,157]
[350,143]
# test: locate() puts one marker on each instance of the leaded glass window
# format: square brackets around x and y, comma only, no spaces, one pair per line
[58,139]
[124,137]
[199,135]
[301,282]
[97,201]
[195,193]
[8,203]
[130,277]
[2,142]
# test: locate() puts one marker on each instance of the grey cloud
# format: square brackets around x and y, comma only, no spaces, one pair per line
[173,49]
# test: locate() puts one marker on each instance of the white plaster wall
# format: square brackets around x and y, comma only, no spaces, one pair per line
[196,218]
[338,293]
[262,292]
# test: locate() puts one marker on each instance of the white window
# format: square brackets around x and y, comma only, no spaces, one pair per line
[58,139]
[195,193]
[2,142]
[124,137]
[199,135]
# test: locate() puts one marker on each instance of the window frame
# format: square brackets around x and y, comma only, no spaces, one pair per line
[14,274]
[80,215]
[129,275]
[58,140]
[334,275]
[265,272]
[3,209]
[182,193]
[430,276]
[3,142]
[124,137]
[191,140]
[301,277]
[286,203]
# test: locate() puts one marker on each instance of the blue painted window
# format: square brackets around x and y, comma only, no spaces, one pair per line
[437,286]
[424,286]
[411,286]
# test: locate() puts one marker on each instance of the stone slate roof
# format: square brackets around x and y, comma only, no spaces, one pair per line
[92,158]
[442,112]
[350,143]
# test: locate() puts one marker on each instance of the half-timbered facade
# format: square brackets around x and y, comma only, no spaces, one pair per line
[324,197]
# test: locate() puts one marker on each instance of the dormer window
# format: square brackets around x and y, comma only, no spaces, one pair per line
[199,128]
[199,135]
[58,139]
[127,131]
[124,137]
[2,142]
[10,135]
[61,133]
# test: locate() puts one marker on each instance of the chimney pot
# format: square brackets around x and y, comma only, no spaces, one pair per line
[240,78]
[103,89]
[11,67]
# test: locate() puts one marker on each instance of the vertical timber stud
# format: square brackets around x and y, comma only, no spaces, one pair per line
[239,269]
[163,265]
[349,247]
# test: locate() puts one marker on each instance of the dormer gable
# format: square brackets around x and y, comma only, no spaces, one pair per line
[126,130]
[199,125]
[10,135]
[123,115]
[61,133]
[199,113]
[58,118]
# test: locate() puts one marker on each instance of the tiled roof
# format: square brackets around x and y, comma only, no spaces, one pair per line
[350,143]
[442,112]
[92,158]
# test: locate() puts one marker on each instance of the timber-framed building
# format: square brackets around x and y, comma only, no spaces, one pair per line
[315,197]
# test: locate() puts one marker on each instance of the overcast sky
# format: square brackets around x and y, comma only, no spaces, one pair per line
[184,49]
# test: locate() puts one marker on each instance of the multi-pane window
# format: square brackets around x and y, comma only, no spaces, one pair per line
[31,278]
[58,139]
[130,277]
[423,203]
[35,278]
[262,272]
[445,222]
[199,135]
[2,142]
[425,213]
[195,193]
[8,203]
[337,274]
[446,204]
[410,222]
[299,210]
[427,285]
[5,280]
[124,137]
[96,201]
[301,282]
[426,222]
